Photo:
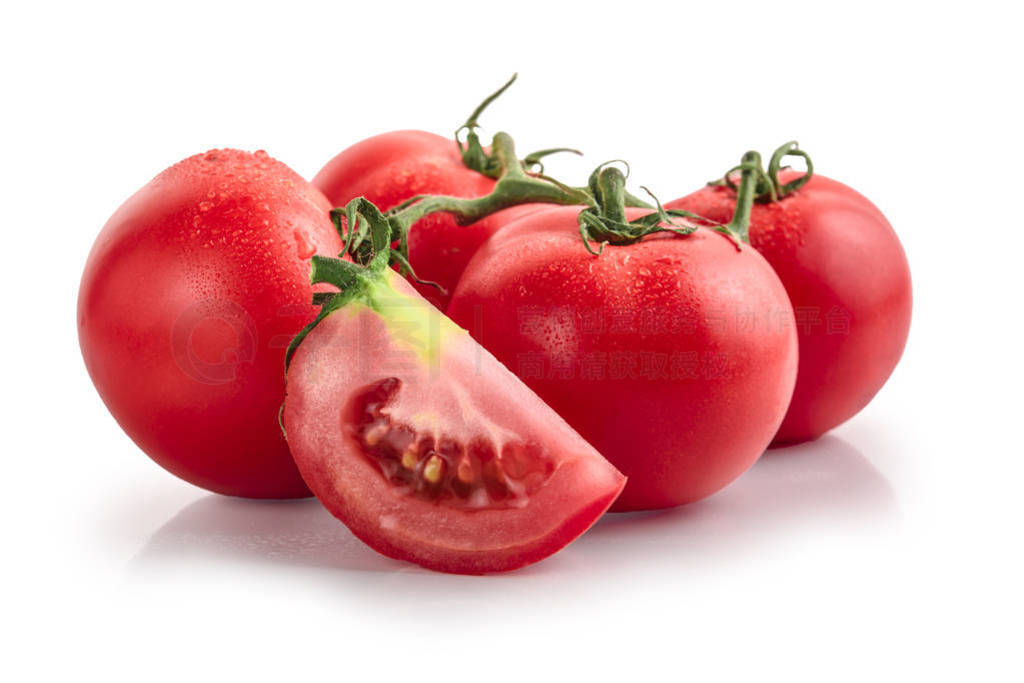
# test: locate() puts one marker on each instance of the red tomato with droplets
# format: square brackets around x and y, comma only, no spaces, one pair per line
[848,279]
[391,168]
[674,356]
[430,450]
[189,298]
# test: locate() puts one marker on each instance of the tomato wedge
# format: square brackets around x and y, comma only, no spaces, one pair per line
[426,446]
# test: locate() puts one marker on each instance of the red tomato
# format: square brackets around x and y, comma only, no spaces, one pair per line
[189,298]
[847,276]
[392,167]
[427,448]
[674,356]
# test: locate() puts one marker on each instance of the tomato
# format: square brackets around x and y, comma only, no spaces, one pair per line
[848,279]
[189,298]
[391,168]
[675,356]
[426,447]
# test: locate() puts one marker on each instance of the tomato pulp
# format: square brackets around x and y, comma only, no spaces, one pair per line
[426,447]
[674,356]
[847,276]
[391,168]
[190,295]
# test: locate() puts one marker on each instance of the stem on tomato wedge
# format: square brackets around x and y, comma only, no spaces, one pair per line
[352,281]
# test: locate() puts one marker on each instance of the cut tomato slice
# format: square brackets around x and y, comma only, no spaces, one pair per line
[428,448]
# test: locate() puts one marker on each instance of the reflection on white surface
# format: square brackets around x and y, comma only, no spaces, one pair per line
[822,485]
[300,531]
[784,488]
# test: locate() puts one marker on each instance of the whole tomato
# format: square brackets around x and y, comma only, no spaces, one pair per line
[389,169]
[847,276]
[675,356]
[189,298]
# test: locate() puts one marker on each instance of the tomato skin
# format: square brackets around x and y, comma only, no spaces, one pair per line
[392,167]
[681,432]
[848,279]
[189,297]
[461,391]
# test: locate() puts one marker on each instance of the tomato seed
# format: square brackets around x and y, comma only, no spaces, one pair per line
[410,458]
[433,470]
[465,471]
[375,433]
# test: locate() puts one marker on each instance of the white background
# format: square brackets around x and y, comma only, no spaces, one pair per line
[887,550]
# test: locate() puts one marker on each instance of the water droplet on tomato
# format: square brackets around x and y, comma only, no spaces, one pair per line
[304,248]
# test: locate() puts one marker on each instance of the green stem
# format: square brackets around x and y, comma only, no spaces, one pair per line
[473,154]
[367,232]
[769,188]
[790,149]
[751,173]
[514,186]
[609,188]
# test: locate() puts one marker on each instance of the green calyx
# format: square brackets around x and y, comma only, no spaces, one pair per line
[414,324]
[769,188]
[605,223]
[354,283]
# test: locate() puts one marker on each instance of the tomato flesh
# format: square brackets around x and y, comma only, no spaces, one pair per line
[428,449]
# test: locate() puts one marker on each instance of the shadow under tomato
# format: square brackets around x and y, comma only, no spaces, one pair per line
[823,484]
[284,531]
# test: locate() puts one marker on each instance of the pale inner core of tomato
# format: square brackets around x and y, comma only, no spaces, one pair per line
[440,468]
